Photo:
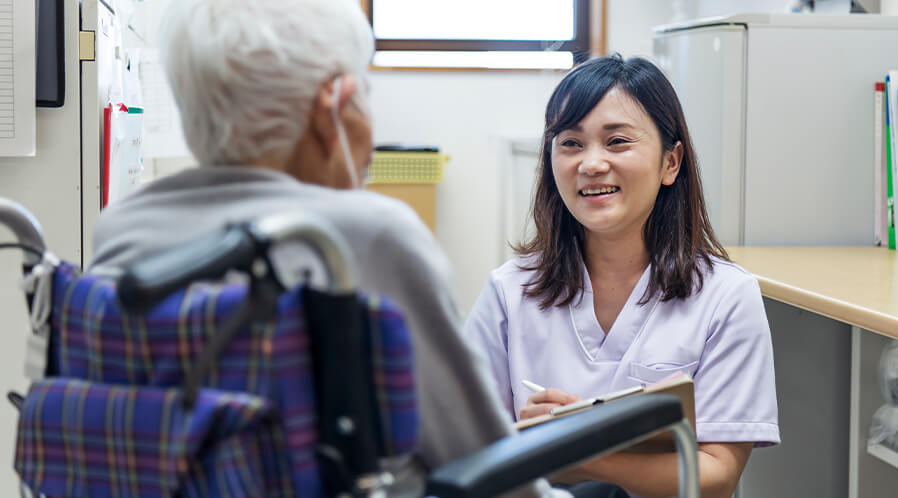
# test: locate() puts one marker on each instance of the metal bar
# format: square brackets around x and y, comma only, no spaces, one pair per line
[24,226]
[687,456]
[482,45]
[321,236]
[854,415]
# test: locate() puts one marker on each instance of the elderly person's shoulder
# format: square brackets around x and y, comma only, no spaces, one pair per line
[247,193]
[183,206]
[388,223]
[379,208]
[363,210]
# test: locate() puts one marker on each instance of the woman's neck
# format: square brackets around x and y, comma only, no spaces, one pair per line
[616,258]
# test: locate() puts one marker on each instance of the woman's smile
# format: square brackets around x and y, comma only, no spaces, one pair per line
[599,194]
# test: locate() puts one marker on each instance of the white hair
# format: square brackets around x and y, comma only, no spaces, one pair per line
[245,73]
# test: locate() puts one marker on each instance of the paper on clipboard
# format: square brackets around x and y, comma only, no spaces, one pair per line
[17,78]
[679,385]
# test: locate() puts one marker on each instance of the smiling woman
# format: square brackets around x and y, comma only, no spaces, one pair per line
[626,114]
[624,282]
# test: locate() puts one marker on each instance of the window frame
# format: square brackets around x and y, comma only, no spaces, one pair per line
[580,46]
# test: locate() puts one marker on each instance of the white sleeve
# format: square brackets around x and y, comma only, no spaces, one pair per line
[487,330]
[735,391]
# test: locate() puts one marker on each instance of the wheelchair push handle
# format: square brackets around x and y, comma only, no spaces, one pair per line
[237,247]
[25,228]
[319,234]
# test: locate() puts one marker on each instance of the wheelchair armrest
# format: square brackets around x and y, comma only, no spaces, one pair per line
[211,256]
[552,446]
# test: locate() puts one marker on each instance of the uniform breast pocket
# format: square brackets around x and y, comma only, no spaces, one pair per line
[653,372]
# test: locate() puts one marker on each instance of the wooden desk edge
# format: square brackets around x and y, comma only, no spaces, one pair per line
[842,311]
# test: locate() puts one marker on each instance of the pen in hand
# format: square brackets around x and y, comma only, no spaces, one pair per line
[560,410]
[533,386]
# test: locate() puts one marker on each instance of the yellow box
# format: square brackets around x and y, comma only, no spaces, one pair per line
[406,167]
[411,177]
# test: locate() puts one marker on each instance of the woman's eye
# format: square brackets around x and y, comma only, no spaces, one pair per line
[618,141]
[569,143]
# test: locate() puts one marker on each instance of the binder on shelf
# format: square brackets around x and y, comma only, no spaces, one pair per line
[890,103]
[880,228]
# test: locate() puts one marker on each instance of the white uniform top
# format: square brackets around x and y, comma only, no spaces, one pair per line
[719,336]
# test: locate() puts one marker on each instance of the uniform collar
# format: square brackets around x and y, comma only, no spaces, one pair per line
[598,346]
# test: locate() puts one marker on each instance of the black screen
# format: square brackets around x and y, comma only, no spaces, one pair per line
[50,53]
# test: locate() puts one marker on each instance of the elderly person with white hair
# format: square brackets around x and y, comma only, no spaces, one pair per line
[273,102]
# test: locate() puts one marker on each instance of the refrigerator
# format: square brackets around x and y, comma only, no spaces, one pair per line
[780,109]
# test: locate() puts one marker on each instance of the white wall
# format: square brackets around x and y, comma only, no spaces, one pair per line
[630,23]
[466,115]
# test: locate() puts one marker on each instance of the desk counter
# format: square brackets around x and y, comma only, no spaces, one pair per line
[855,285]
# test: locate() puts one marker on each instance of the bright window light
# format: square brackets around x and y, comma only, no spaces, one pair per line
[479,60]
[474,19]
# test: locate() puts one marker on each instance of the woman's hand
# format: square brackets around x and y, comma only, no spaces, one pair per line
[543,401]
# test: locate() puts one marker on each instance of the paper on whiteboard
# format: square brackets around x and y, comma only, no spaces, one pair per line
[126,163]
[17,78]
[162,121]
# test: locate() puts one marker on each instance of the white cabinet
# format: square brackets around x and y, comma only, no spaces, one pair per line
[781,114]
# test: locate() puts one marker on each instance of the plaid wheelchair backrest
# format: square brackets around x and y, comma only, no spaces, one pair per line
[110,422]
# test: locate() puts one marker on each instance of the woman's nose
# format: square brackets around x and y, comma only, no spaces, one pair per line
[594,162]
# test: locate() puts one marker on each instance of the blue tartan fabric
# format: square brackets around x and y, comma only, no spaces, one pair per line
[111,423]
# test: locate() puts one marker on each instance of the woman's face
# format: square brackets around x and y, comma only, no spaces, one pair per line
[609,167]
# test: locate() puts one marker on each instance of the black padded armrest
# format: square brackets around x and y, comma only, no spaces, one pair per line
[547,448]
[209,257]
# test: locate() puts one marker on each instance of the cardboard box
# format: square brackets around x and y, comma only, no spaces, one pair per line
[422,197]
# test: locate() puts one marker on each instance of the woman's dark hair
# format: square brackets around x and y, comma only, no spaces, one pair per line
[678,233]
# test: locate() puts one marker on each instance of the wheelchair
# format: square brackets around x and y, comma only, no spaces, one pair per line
[166,380]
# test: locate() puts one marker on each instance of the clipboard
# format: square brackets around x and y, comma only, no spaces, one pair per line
[679,385]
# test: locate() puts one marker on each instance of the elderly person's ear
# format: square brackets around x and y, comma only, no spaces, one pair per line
[322,120]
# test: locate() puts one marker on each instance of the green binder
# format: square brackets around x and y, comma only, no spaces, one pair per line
[890,194]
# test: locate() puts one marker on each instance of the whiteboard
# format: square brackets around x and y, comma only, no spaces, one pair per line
[17,78]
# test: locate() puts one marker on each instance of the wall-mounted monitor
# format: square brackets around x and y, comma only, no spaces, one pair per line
[50,48]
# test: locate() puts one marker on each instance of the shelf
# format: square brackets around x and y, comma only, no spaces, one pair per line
[883,453]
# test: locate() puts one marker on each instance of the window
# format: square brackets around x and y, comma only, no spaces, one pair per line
[480,33]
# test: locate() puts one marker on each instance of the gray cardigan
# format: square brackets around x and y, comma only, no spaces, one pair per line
[396,256]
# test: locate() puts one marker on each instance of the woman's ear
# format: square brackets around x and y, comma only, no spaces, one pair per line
[670,165]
